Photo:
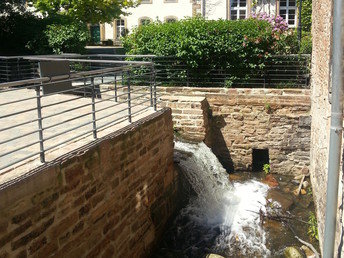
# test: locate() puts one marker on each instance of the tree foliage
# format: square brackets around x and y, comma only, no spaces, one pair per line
[88,11]
[70,37]
[306,15]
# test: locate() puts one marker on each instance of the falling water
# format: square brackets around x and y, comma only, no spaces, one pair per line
[222,217]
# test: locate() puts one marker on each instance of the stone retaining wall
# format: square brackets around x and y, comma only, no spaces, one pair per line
[111,198]
[240,120]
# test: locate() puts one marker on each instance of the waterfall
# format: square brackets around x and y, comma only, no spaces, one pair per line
[222,217]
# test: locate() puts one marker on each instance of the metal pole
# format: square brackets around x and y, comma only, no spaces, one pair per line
[151,86]
[116,88]
[203,8]
[154,89]
[299,26]
[335,133]
[93,110]
[40,126]
[129,98]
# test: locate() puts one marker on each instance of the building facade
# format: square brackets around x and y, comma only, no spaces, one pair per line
[174,10]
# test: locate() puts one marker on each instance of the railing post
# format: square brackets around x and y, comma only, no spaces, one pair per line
[151,85]
[40,126]
[93,110]
[154,89]
[129,97]
[115,87]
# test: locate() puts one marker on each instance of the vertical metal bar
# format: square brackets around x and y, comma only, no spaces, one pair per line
[299,26]
[154,89]
[84,87]
[93,110]
[7,72]
[40,126]
[336,132]
[129,97]
[151,85]
[116,88]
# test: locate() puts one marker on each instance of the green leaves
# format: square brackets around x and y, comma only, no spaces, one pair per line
[313,226]
[198,43]
[68,37]
[88,11]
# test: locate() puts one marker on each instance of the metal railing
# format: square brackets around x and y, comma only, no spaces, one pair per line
[37,116]
[291,71]
[284,71]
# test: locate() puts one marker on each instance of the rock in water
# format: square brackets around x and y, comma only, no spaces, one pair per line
[309,253]
[271,181]
[284,199]
[292,252]
[214,256]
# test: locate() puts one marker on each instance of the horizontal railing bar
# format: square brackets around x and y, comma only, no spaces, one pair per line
[66,121]
[66,111]
[17,125]
[66,131]
[17,161]
[136,112]
[112,123]
[18,137]
[68,140]
[64,101]
[111,106]
[142,102]
[18,149]
[112,114]
[16,101]
[18,113]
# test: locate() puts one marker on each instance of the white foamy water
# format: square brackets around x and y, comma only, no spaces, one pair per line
[223,217]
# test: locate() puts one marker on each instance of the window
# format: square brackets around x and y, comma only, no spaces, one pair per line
[144,21]
[146,1]
[120,28]
[288,11]
[170,1]
[238,9]
[170,19]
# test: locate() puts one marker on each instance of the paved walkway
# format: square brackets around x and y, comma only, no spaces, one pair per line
[106,113]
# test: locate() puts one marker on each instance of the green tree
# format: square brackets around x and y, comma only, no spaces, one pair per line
[88,11]
[306,15]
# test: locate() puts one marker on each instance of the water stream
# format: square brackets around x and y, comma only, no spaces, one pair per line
[221,217]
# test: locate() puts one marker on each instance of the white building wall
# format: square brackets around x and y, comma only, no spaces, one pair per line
[108,31]
[157,10]
[265,6]
[216,9]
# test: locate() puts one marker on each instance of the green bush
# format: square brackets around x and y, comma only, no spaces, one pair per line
[240,46]
[22,33]
[67,37]
[306,44]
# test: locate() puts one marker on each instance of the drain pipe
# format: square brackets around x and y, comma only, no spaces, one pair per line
[335,133]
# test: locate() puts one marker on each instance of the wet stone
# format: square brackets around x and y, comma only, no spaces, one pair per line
[292,252]
[284,199]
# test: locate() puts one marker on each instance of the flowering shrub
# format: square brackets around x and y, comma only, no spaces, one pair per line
[278,24]
[285,39]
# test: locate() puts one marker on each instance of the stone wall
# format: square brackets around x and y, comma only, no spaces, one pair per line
[111,198]
[245,119]
[190,115]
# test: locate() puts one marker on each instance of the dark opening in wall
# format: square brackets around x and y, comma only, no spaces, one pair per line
[259,158]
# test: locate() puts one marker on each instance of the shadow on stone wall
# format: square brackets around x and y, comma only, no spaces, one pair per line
[216,141]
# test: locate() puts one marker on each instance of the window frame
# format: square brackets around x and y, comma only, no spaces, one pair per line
[170,18]
[238,8]
[146,2]
[123,28]
[144,18]
[287,8]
